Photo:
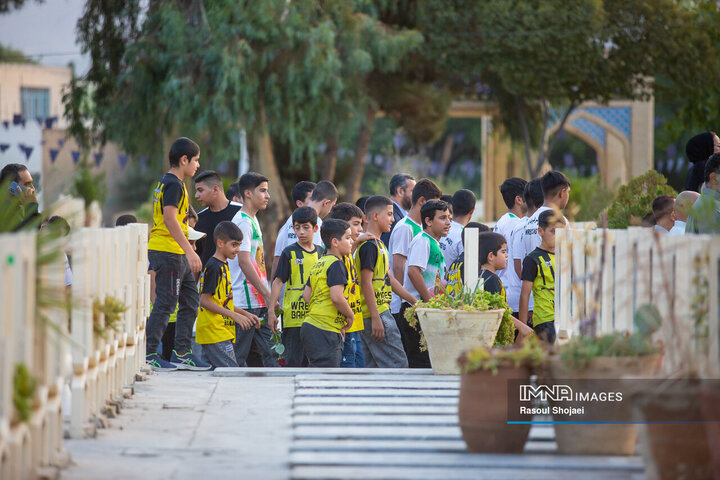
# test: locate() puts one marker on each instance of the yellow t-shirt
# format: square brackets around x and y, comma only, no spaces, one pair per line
[170,191]
[327,272]
[353,294]
[372,255]
[294,269]
[213,327]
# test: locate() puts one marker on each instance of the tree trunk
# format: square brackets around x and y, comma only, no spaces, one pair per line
[526,134]
[361,147]
[331,152]
[446,153]
[279,207]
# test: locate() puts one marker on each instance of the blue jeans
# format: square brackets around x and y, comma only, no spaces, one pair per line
[352,354]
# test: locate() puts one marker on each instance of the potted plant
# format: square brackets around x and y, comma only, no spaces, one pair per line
[452,324]
[605,361]
[483,403]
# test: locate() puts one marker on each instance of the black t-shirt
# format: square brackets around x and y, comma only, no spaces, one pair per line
[492,282]
[337,274]
[207,221]
[368,255]
[173,191]
[284,267]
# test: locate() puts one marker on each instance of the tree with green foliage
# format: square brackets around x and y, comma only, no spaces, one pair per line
[634,200]
[543,58]
[11,55]
[207,70]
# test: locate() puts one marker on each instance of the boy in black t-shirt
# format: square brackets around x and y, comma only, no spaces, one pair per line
[208,191]
[293,270]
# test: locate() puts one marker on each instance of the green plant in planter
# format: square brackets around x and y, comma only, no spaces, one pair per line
[634,200]
[113,310]
[530,354]
[24,386]
[478,300]
[579,351]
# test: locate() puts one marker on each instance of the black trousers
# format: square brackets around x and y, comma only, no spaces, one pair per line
[410,337]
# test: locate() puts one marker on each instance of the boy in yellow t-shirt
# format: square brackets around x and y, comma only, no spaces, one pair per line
[352,355]
[382,345]
[293,269]
[218,316]
[174,261]
[330,314]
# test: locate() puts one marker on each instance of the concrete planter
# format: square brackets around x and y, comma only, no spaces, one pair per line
[615,439]
[673,451]
[483,411]
[448,333]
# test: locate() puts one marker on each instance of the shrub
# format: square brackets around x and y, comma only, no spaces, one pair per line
[588,198]
[634,200]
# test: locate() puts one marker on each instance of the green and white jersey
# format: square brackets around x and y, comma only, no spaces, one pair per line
[400,238]
[245,295]
[425,252]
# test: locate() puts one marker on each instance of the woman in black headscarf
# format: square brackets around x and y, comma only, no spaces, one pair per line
[698,149]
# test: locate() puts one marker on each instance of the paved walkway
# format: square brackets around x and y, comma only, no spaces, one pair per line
[186,425]
[318,424]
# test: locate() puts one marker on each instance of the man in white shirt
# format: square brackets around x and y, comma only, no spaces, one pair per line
[683,203]
[556,190]
[512,191]
[403,234]
[662,209]
[321,198]
[533,196]
[463,205]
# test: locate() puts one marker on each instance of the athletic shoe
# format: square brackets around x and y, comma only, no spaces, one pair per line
[158,364]
[188,361]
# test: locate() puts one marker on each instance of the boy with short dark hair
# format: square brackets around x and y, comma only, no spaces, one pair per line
[556,193]
[664,213]
[463,207]
[296,262]
[352,355]
[534,199]
[538,276]
[402,234]
[249,278]
[126,219]
[232,193]
[329,315]
[174,261]
[209,193]
[425,267]
[218,317]
[512,191]
[321,197]
[381,342]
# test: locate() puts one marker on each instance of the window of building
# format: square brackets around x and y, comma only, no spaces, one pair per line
[35,103]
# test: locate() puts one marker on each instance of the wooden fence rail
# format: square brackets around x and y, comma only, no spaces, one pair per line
[55,335]
[609,274]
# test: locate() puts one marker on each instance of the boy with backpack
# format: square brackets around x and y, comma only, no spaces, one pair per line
[329,314]
[293,269]
[538,276]
[382,345]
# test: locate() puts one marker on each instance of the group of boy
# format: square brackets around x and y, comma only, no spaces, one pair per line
[339,290]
